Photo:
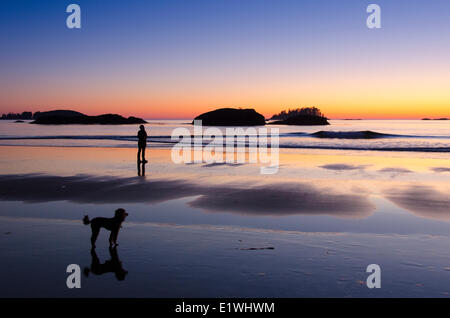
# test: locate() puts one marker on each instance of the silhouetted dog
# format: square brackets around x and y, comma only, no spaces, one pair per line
[111,224]
[114,265]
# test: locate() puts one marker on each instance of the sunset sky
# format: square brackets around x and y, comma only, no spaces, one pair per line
[179,58]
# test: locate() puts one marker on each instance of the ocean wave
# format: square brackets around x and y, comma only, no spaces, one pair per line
[169,144]
[81,137]
[366,134]
[292,140]
[363,134]
[368,148]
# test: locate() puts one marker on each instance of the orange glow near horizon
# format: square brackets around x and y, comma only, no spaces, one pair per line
[189,108]
[177,60]
[189,111]
[355,95]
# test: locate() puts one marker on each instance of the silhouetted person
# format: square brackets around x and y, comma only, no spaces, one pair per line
[114,265]
[142,143]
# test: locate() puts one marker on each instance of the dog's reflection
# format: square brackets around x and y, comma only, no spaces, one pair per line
[114,265]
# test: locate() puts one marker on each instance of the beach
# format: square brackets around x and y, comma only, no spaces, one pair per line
[253,155]
[335,206]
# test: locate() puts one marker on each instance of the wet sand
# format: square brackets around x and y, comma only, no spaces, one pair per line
[224,231]
[207,261]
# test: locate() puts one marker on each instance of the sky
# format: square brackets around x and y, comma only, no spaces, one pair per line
[179,58]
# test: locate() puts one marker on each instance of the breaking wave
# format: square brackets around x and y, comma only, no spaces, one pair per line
[339,140]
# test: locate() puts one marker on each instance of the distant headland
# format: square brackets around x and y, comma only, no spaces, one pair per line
[71,117]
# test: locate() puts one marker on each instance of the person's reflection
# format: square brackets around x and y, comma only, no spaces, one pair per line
[114,265]
[141,169]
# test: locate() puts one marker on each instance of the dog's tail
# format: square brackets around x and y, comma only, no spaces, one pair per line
[86,220]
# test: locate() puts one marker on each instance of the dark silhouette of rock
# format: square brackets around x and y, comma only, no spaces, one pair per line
[303,120]
[305,111]
[231,117]
[306,116]
[58,112]
[72,117]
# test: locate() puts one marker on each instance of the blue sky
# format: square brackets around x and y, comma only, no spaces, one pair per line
[175,47]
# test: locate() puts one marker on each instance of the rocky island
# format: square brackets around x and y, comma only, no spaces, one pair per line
[307,116]
[231,117]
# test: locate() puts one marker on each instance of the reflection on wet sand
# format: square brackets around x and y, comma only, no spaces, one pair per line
[274,199]
[343,167]
[395,170]
[440,169]
[114,265]
[423,200]
[314,183]
[141,168]
[285,199]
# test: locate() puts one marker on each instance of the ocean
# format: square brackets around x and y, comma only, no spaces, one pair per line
[345,196]
[377,135]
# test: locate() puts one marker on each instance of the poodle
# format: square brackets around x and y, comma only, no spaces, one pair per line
[111,224]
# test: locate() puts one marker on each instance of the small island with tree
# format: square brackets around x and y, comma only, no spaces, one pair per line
[306,116]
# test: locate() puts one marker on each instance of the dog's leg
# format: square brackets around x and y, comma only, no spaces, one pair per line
[116,234]
[95,260]
[95,231]
[111,238]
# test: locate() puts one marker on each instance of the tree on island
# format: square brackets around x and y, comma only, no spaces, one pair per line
[306,116]
[304,111]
